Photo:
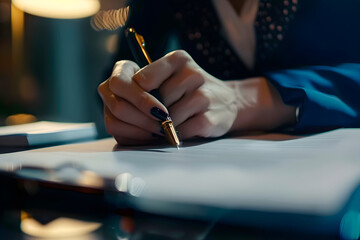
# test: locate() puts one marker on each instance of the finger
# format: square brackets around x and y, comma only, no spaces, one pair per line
[122,85]
[194,103]
[127,113]
[122,130]
[180,84]
[126,68]
[196,126]
[153,75]
[131,115]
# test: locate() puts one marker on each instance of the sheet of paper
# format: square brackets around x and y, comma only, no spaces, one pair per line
[309,175]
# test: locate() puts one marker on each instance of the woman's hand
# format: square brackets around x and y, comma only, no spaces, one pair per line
[199,104]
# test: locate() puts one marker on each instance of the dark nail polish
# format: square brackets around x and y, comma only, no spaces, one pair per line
[159,114]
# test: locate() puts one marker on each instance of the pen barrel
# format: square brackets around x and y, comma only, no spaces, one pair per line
[140,53]
[136,43]
[137,49]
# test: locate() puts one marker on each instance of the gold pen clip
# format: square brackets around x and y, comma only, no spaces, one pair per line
[141,42]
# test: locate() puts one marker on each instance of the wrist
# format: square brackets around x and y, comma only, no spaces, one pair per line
[260,106]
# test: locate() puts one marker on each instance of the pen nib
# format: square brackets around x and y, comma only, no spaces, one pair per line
[170,132]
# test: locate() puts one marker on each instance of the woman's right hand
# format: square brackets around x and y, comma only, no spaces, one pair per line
[129,110]
[200,104]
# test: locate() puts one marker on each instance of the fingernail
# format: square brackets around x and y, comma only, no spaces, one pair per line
[159,114]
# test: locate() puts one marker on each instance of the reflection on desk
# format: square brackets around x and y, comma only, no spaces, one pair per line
[137,226]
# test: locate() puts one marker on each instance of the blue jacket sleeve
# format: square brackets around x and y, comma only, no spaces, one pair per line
[327,96]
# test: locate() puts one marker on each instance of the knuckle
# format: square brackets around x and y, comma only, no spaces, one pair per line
[204,126]
[113,83]
[102,87]
[198,76]
[122,73]
[118,66]
[180,55]
[122,63]
[141,79]
[118,63]
[202,100]
[204,94]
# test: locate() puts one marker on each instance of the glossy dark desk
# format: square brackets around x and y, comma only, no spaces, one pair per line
[33,209]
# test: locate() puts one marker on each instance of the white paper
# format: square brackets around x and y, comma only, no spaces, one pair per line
[309,175]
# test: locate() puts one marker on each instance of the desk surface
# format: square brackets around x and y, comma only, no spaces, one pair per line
[32,222]
[47,201]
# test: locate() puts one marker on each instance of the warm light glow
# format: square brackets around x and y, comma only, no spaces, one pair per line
[65,9]
[17,26]
[17,42]
[59,228]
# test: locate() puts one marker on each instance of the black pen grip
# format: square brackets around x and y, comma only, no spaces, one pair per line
[139,57]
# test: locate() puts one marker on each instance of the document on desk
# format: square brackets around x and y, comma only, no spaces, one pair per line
[306,175]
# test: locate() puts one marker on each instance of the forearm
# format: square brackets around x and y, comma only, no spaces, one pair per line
[260,107]
[327,96]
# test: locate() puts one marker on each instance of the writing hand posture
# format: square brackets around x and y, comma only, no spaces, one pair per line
[199,104]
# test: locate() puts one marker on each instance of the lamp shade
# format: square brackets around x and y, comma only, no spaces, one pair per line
[61,9]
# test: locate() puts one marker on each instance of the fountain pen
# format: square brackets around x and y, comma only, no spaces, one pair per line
[137,46]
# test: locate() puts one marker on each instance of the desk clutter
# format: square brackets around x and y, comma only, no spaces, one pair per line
[46,133]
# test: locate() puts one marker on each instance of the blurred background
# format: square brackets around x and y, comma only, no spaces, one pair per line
[52,58]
